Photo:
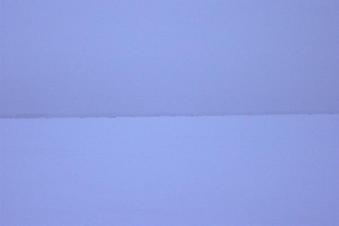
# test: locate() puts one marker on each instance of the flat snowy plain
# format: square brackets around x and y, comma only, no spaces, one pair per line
[169,171]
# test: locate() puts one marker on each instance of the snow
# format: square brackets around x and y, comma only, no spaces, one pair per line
[189,171]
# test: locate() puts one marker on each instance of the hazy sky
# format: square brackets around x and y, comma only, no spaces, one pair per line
[131,57]
[200,171]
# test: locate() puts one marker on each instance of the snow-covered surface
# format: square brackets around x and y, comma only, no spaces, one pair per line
[168,57]
[187,171]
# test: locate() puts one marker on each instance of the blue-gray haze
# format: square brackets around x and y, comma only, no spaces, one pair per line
[170,57]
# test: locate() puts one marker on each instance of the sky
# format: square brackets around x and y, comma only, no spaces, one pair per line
[187,57]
